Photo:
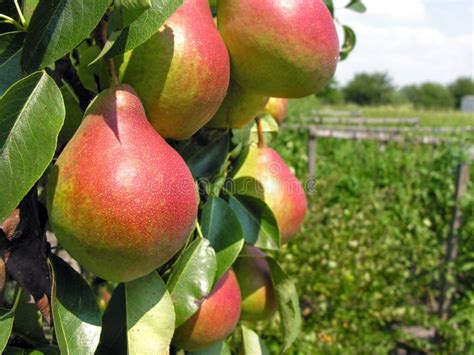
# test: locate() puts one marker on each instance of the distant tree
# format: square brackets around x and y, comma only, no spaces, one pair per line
[429,95]
[370,89]
[461,87]
[331,94]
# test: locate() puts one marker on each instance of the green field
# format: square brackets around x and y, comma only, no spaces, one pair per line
[428,118]
[369,259]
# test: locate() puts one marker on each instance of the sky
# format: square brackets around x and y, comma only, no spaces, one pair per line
[413,40]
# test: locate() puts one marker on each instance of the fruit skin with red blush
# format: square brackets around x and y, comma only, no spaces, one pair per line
[279,48]
[215,320]
[117,190]
[261,172]
[181,73]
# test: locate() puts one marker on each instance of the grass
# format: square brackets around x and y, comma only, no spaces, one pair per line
[369,257]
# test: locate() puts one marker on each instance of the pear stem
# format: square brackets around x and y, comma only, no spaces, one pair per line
[110,62]
[113,72]
[199,230]
[261,140]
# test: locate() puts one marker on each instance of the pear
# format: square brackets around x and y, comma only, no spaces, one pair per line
[181,73]
[216,318]
[262,173]
[256,287]
[277,108]
[239,108]
[279,48]
[121,201]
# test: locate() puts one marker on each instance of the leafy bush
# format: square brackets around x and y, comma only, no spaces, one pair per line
[331,94]
[429,95]
[461,87]
[369,89]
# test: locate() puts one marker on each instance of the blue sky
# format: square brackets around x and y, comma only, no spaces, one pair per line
[413,40]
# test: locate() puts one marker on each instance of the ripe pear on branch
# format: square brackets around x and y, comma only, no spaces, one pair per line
[279,48]
[216,318]
[181,73]
[118,190]
[262,173]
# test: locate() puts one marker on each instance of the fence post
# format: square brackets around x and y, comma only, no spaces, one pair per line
[453,241]
[312,153]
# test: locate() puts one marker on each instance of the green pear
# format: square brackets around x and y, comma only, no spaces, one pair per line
[121,201]
[277,108]
[181,73]
[239,108]
[258,294]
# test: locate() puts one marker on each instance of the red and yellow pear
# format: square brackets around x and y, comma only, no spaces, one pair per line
[117,190]
[279,48]
[258,294]
[181,73]
[262,173]
[277,108]
[239,108]
[216,318]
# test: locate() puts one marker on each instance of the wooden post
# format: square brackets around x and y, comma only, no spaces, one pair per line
[453,241]
[312,145]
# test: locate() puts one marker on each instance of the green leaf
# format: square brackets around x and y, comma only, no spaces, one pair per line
[7,317]
[31,116]
[10,53]
[220,348]
[57,27]
[140,318]
[113,339]
[127,11]
[73,117]
[252,344]
[257,220]
[40,350]
[349,42]
[76,316]
[192,278]
[330,6]
[249,134]
[29,7]
[86,71]
[206,159]
[145,26]
[357,6]
[288,303]
[28,321]
[222,227]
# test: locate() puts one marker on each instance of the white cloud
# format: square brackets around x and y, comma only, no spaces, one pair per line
[399,9]
[408,44]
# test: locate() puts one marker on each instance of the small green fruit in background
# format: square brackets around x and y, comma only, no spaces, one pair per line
[239,108]
[277,108]
[254,277]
